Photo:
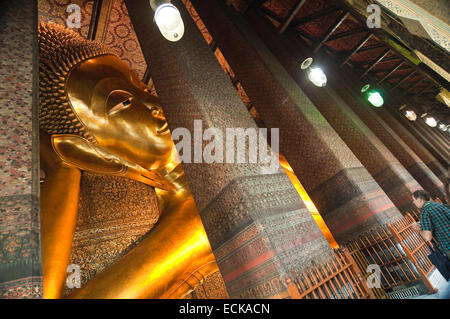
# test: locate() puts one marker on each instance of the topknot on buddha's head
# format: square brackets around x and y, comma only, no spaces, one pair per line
[60,49]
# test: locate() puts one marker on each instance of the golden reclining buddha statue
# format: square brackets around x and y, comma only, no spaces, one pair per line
[96,116]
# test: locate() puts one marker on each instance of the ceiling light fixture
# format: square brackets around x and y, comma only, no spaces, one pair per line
[429,120]
[315,74]
[373,96]
[411,115]
[408,112]
[168,19]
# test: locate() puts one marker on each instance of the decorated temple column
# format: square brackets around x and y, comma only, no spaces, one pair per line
[443,143]
[399,148]
[405,157]
[423,135]
[437,146]
[346,195]
[384,167]
[444,137]
[256,223]
[430,161]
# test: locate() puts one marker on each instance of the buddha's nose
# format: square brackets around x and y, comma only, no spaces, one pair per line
[158,113]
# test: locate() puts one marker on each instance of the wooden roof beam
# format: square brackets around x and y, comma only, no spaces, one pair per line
[391,72]
[347,34]
[413,86]
[358,46]
[372,47]
[315,16]
[378,59]
[291,15]
[330,31]
[404,79]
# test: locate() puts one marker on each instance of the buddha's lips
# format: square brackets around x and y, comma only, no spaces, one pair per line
[164,129]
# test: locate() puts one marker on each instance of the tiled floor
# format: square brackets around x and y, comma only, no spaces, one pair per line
[443,293]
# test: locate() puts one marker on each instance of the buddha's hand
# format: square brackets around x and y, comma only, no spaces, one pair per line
[76,151]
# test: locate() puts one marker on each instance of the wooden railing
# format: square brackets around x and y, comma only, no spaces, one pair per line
[339,278]
[415,248]
[415,215]
[399,251]
[362,263]
[379,247]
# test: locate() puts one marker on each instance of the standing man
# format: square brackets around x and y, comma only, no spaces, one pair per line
[434,220]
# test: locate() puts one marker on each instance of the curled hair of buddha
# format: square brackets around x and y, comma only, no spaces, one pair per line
[60,49]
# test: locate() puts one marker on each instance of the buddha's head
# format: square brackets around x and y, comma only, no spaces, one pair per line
[88,91]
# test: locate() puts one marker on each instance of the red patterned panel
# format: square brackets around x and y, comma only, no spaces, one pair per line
[349,24]
[314,6]
[411,81]
[317,28]
[55,11]
[372,41]
[387,67]
[122,38]
[347,43]
[397,76]
[280,8]
[366,57]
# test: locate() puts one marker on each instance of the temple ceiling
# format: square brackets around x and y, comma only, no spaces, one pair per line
[399,69]
[334,23]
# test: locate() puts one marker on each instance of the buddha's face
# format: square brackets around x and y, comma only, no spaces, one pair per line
[114,106]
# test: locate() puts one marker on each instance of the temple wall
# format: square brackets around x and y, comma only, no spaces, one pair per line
[20,260]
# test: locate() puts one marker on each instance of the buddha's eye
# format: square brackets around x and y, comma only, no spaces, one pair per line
[118,100]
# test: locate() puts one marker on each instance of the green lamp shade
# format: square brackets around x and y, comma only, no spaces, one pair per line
[375,98]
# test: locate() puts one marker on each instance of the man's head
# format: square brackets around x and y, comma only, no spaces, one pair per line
[86,90]
[420,197]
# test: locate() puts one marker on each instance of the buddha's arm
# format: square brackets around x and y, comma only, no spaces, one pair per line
[173,258]
[78,152]
[59,204]
[168,263]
